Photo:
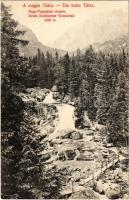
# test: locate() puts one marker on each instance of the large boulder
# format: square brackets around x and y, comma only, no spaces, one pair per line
[79,123]
[70,154]
[108,145]
[61,156]
[113,191]
[124,164]
[84,193]
[78,193]
[70,134]
[100,187]
[67,155]
[65,134]
[76,135]
[85,156]
[81,157]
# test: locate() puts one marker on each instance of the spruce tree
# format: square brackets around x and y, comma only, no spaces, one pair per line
[118,114]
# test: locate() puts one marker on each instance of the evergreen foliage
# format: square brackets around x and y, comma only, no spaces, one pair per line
[97,82]
[92,78]
[23,174]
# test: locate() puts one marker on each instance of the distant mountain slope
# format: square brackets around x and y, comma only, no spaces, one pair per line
[103,27]
[113,45]
[34,44]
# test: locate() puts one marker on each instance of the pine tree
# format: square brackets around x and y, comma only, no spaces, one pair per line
[57,56]
[50,69]
[43,72]
[73,79]
[88,79]
[101,89]
[118,115]
[66,64]
[13,72]
[78,54]
[13,65]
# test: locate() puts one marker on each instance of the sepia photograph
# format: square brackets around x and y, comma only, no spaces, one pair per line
[64,100]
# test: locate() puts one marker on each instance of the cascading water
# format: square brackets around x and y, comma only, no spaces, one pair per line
[66,115]
[49,99]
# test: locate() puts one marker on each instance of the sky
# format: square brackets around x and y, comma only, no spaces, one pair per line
[47,32]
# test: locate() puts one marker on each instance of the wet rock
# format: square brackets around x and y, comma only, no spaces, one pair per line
[70,154]
[65,134]
[100,187]
[61,156]
[79,123]
[108,145]
[76,135]
[71,103]
[124,164]
[71,134]
[81,157]
[84,156]
[84,193]
[113,191]
[67,155]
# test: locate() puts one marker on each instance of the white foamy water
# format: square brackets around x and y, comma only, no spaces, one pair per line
[66,120]
[66,115]
[49,99]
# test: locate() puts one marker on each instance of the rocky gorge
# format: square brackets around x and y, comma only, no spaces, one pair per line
[90,166]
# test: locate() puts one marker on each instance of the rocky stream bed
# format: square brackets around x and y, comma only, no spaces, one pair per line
[92,169]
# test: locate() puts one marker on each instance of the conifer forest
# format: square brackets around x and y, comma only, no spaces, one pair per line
[85,92]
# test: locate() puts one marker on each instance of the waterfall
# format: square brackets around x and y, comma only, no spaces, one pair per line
[49,99]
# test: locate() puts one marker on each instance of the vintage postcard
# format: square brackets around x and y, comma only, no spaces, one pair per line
[64,99]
